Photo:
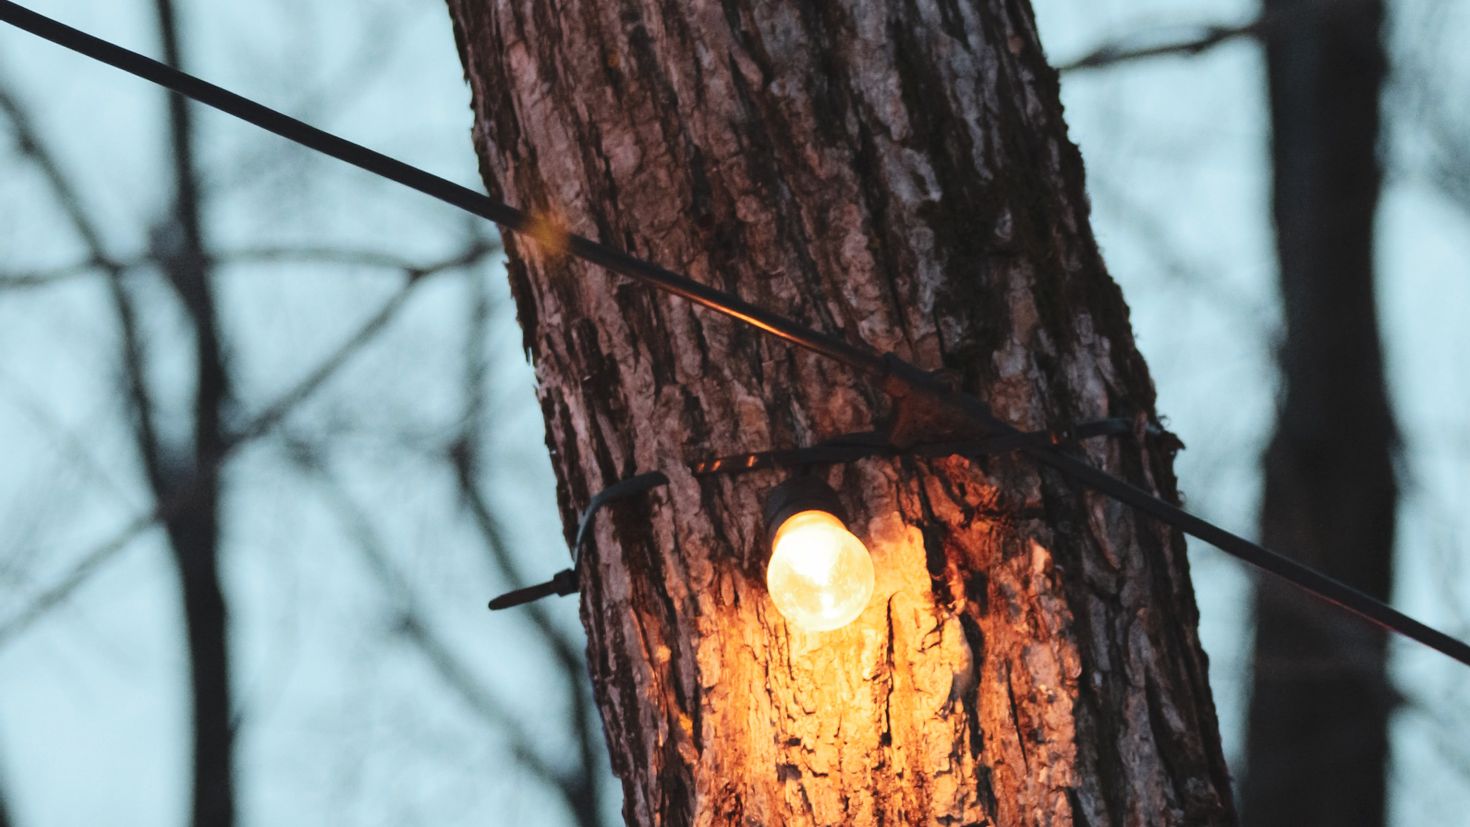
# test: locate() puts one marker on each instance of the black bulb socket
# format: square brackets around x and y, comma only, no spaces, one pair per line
[796,495]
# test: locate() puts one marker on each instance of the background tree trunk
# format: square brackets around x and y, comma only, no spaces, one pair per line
[189,473]
[1317,738]
[897,173]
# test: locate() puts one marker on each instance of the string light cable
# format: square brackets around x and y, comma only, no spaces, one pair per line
[836,451]
[925,408]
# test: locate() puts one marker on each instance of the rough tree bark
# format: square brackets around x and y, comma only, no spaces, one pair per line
[897,173]
[1317,738]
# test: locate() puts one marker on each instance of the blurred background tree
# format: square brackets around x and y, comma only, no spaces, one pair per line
[1317,738]
[262,374]
[373,447]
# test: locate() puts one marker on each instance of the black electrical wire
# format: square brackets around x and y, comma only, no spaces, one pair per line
[900,379]
[840,450]
[511,218]
[620,490]
[853,447]
[567,581]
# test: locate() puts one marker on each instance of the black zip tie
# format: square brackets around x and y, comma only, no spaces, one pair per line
[942,408]
[563,582]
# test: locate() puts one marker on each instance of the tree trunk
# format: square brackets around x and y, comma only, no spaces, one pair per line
[1317,739]
[194,530]
[899,174]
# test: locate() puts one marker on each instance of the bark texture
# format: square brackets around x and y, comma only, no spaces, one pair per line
[898,173]
[1318,731]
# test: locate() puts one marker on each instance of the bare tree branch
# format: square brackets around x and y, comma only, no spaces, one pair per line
[51,276]
[1423,90]
[80,572]
[62,274]
[412,624]
[351,257]
[1201,38]
[1197,40]
[568,657]
[1156,239]
[262,423]
[269,417]
[71,442]
[381,38]
[70,200]
[465,457]
[179,243]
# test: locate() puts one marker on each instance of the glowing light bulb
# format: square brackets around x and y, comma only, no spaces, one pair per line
[820,576]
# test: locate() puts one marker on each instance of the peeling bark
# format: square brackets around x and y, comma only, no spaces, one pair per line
[897,173]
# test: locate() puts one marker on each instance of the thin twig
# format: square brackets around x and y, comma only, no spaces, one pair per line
[1199,40]
[62,274]
[465,456]
[33,147]
[70,200]
[1203,37]
[411,624]
[381,37]
[275,412]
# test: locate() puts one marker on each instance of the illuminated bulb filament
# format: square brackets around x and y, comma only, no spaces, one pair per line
[820,576]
